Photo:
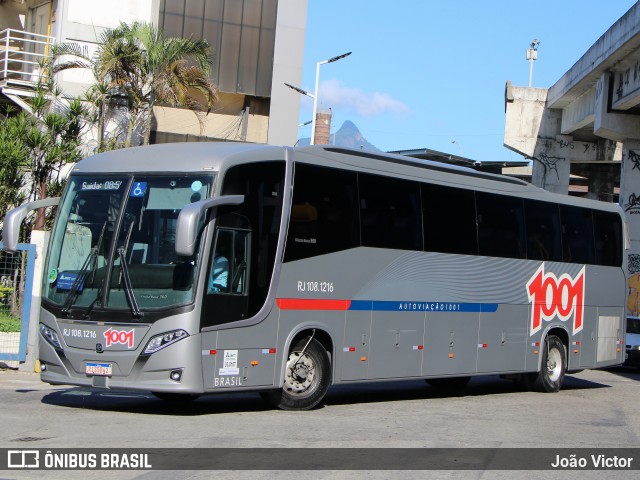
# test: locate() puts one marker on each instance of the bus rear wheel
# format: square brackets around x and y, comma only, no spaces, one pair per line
[554,364]
[307,377]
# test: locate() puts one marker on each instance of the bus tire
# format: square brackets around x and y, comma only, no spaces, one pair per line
[554,363]
[307,378]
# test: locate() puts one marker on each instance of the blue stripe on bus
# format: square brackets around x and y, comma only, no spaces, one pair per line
[383,305]
[401,306]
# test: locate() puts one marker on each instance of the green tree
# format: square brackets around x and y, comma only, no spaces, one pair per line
[41,142]
[114,68]
[100,95]
[149,68]
[53,138]
[13,154]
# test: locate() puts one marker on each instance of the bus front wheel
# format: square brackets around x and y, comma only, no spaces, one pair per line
[307,377]
[552,370]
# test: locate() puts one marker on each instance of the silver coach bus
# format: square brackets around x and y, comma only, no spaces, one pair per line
[188,269]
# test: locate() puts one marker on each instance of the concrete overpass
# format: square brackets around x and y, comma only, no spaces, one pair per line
[588,124]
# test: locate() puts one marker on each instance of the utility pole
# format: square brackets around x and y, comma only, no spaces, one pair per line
[532,54]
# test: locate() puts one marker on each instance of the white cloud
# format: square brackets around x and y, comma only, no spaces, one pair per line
[333,94]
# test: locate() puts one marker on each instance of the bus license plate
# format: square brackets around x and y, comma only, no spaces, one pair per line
[103,369]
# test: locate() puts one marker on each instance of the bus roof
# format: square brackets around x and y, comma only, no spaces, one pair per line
[197,156]
[176,157]
[415,162]
[215,156]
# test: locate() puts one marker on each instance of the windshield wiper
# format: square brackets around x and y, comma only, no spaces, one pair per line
[128,288]
[93,273]
[124,275]
[81,276]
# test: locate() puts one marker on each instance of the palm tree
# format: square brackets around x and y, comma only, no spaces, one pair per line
[150,68]
[14,155]
[51,133]
[116,61]
[116,69]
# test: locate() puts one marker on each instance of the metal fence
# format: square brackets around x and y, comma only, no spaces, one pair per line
[16,287]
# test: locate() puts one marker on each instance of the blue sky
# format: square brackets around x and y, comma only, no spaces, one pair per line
[432,74]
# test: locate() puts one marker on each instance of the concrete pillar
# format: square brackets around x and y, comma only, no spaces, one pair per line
[608,150]
[601,186]
[41,240]
[533,130]
[630,202]
[607,123]
[323,127]
[552,163]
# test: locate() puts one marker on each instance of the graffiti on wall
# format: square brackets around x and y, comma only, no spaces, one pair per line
[550,163]
[627,81]
[633,282]
[634,158]
[632,207]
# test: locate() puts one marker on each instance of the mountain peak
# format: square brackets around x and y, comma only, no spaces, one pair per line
[349,125]
[348,136]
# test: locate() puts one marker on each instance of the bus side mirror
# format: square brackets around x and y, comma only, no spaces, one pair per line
[187,224]
[13,220]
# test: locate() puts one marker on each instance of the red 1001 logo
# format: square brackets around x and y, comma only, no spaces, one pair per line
[119,336]
[553,297]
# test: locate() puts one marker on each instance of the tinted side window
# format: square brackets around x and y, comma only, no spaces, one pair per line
[543,231]
[324,212]
[500,226]
[608,234]
[390,213]
[577,235]
[449,220]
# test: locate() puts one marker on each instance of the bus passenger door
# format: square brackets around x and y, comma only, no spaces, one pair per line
[226,294]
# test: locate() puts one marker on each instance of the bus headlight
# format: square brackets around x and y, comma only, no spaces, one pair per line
[164,340]
[50,335]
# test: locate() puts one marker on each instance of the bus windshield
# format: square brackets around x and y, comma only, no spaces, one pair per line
[121,230]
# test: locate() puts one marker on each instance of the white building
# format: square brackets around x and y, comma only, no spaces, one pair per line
[257,46]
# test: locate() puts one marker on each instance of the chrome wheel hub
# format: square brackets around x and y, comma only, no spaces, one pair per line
[300,373]
[554,365]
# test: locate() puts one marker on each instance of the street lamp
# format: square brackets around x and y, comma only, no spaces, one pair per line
[302,92]
[455,142]
[532,54]
[315,96]
[299,90]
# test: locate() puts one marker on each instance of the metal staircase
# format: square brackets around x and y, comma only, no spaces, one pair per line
[21,54]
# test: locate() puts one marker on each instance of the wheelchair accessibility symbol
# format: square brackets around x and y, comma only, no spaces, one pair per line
[139,189]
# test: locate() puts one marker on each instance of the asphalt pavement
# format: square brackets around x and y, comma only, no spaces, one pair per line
[595,409]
